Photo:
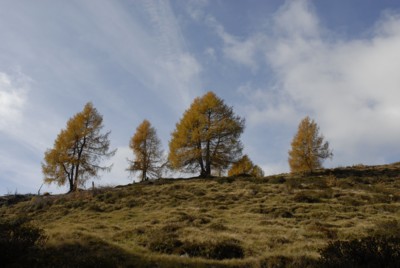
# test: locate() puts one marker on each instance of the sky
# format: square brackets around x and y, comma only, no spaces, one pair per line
[273,61]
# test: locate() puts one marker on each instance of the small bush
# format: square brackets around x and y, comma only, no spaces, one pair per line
[325,230]
[292,184]
[165,242]
[17,239]
[108,197]
[307,197]
[13,199]
[76,204]
[286,262]
[345,183]
[331,181]
[96,207]
[224,249]
[276,180]
[286,214]
[39,203]
[373,251]
[225,180]
[387,228]
[217,226]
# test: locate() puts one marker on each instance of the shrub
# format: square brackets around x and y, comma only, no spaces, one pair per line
[292,184]
[286,262]
[108,197]
[372,251]
[224,249]
[18,238]
[217,226]
[95,207]
[165,242]
[76,204]
[331,181]
[276,179]
[12,199]
[307,197]
[223,180]
[39,203]
[326,230]
[387,228]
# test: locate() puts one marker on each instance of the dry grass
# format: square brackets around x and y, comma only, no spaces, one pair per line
[234,222]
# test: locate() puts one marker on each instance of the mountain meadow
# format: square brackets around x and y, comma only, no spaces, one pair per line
[332,217]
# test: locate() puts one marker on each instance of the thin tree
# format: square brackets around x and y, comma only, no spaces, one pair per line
[308,148]
[244,166]
[146,147]
[78,151]
[207,137]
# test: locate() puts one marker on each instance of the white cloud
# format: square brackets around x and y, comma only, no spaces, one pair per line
[351,87]
[296,19]
[13,94]
[275,168]
[118,174]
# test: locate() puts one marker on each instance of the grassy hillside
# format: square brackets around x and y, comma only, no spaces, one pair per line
[282,220]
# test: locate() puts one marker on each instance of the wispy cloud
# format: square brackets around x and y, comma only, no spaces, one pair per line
[129,59]
[242,51]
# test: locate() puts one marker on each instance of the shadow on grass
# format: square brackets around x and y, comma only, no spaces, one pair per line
[90,252]
[93,252]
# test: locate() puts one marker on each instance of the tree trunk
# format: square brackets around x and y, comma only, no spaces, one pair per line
[71,185]
[80,151]
[202,170]
[208,153]
[208,160]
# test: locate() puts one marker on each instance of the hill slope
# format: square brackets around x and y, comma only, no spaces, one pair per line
[234,222]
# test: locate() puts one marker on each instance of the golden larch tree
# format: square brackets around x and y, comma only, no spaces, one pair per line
[207,137]
[244,166]
[308,148]
[146,147]
[78,150]
[257,172]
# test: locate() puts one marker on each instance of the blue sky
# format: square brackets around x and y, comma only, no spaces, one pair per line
[274,61]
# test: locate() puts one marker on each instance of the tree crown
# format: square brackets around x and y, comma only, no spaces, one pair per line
[207,136]
[308,148]
[146,147]
[244,166]
[78,150]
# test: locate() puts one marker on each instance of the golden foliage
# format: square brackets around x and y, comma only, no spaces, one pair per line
[245,166]
[257,172]
[206,137]
[146,148]
[78,150]
[308,148]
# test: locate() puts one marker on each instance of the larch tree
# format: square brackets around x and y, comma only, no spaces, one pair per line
[78,151]
[146,147]
[244,166]
[207,137]
[308,148]
[257,172]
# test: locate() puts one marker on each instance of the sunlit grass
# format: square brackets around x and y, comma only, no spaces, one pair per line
[199,222]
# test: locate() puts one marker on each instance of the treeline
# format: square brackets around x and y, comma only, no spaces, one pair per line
[206,141]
